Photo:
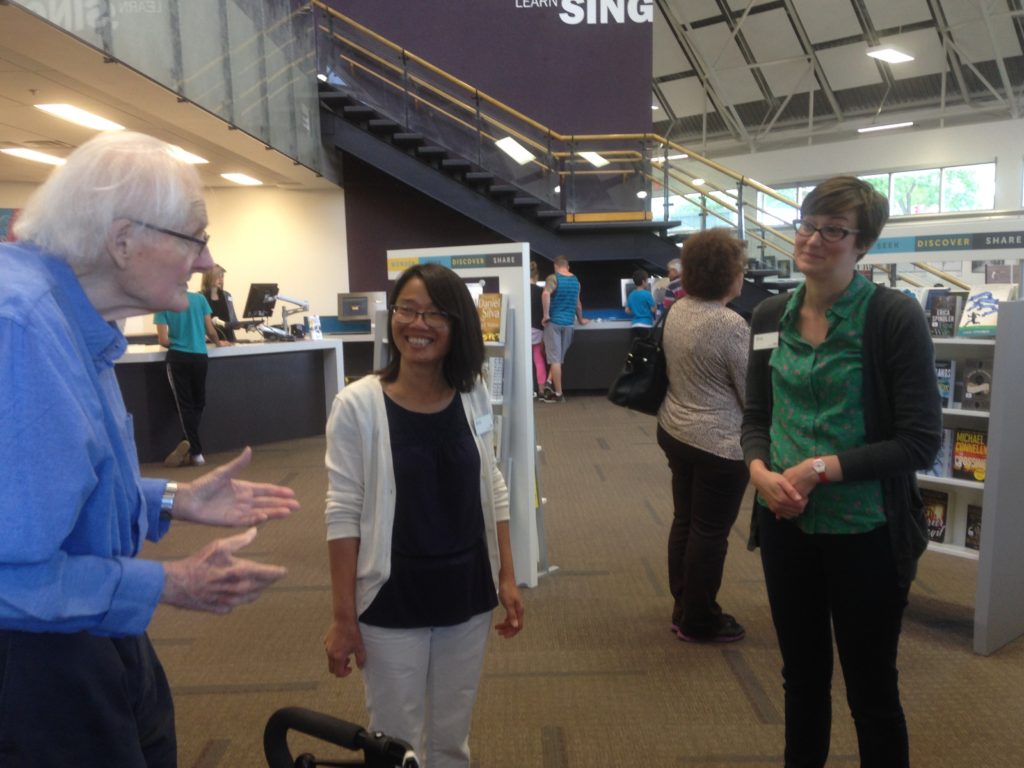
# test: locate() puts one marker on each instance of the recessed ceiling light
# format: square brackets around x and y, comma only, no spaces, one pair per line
[698,182]
[34,156]
[80,117]
[187,157]
[889,54]
[655,106]
[241,178]
[642,194]
[887,127]
[594,159]
[515,150]
[321,77]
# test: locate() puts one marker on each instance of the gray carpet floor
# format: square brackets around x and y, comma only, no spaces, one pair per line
[595,678]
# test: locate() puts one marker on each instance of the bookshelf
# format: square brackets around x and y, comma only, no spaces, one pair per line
[999,613]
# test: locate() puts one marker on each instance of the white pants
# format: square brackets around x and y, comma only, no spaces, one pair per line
[421,685]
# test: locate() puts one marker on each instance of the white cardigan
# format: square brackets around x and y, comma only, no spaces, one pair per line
[361,479]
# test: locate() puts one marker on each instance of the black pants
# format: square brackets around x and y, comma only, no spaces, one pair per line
[706,493]
[83,700]
[186,373]
[846,583]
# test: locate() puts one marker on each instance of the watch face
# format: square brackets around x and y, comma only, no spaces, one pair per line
[818,466]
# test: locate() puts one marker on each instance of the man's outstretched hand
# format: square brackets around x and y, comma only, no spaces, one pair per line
[214,580]
[219,498]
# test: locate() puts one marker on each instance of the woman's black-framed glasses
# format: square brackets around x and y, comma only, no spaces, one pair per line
[202,241]
[829,233]
[434,318]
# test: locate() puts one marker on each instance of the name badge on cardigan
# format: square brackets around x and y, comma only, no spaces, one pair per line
[484,424]
[766,341]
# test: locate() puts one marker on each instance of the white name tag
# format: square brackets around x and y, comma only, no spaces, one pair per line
[766,340]
[484,424]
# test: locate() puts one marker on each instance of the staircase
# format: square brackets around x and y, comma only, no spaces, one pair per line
[411,157]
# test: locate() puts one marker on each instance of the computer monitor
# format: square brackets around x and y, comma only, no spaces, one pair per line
[261,300]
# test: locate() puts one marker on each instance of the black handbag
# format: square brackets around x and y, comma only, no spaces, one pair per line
[643,381]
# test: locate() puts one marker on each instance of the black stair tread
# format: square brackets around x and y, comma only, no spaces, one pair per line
[525,201]
[383,124]
[358,110]
[408,138]
[502,189]
[431,150]
[479,176]
[336,97]
[550,214]
[455,163]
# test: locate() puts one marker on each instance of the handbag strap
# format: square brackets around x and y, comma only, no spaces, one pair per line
[658,329]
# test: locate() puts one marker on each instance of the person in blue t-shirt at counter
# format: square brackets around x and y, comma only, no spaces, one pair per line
[640,305]
[185,335]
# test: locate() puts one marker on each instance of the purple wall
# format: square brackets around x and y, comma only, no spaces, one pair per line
[553,60]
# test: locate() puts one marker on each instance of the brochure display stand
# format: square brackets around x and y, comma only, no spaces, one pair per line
[503,268]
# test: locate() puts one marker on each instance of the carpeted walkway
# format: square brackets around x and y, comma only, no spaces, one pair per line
[595,679]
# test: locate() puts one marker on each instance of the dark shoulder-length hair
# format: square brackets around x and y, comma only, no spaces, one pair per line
[712,260]
[465,359]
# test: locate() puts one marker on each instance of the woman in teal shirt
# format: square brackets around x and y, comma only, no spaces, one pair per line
[841,410]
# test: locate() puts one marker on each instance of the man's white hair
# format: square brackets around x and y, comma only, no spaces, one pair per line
[115,175]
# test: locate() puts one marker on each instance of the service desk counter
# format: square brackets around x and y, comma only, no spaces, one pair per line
[596,355]
[255,393]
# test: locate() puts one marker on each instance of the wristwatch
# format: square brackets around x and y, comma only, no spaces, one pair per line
[167,500]
[818,465]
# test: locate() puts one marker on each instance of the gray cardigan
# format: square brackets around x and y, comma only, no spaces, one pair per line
[902,414]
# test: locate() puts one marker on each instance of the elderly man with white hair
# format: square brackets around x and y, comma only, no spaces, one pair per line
[117,231]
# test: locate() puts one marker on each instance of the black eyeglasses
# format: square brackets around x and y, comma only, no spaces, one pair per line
[202,241]
[829,233]
[434,318]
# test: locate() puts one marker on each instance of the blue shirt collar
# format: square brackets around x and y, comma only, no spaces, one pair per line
[103,339]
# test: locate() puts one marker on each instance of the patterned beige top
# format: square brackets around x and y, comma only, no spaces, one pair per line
[706,349]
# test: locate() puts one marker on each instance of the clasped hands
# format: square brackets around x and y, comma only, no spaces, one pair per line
[213,579]
[785,493]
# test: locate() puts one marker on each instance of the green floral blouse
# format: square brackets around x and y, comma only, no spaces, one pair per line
[818,409]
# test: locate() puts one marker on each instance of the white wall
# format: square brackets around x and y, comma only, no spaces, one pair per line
[292,238]
[899,150]
[265,235]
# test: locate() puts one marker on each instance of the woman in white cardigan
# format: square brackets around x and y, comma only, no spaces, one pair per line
[417,522]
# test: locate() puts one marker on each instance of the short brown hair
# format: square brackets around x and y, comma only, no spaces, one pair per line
[712,259]
[848,193]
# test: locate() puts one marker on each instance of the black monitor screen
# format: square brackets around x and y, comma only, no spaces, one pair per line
[354,306]
[261,300]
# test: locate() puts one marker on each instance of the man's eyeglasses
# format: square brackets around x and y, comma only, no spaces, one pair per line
[829,233]
[432,317]
[201,241]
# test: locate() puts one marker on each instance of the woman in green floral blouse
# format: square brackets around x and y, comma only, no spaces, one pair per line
[841,410]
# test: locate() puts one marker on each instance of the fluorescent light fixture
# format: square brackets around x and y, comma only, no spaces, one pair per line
[558,189]
[241,178]
[642,194]
[655,106]
[698,182]
[321,77]
[515,150]
[889,54]
[80,117]
[887,127]
[670,157]
[186,156]
[594,159]
[34,156]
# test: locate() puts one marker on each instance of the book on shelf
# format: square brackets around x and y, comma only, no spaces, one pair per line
[945,376]
[944,314]
[491,308]
[942,466]
[936,504]
[977,385]
[981,310]
[970,454]
[495,374]
[972,537]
